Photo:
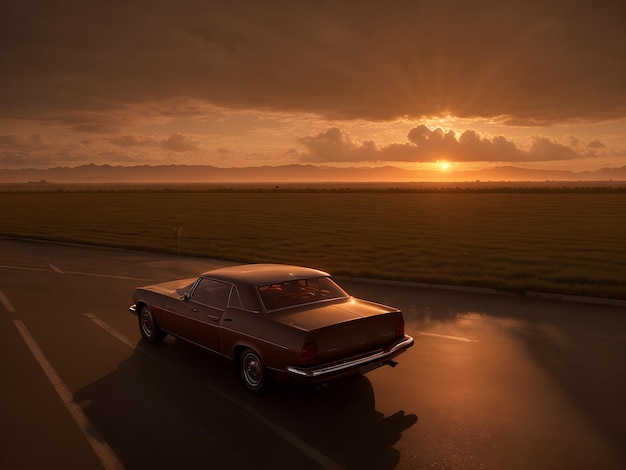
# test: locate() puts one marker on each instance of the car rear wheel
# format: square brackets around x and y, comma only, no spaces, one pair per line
[148,326]
[252,371]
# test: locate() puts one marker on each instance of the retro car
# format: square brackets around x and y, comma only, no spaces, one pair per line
[273,320]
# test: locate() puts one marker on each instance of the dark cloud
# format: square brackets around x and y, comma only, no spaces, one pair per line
[527,61]
[9,139]
[431,145]
[90,128]
[88,122]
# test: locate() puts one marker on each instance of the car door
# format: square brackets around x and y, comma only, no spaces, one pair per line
[197,317]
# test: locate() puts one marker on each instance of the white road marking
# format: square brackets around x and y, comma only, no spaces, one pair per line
[106,455]
[23,268]
[112,331]
[106,275]
[5,301]
[303,447]
[55,269]
[454,338]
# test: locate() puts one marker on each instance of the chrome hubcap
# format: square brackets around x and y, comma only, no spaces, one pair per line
[146,323]
[252,369]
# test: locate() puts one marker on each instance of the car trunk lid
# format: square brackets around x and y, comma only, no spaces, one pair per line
[345,328]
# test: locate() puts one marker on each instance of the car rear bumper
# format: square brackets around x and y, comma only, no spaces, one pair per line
[353,365]
[133,309]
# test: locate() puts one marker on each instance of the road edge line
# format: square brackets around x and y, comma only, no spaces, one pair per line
[5,301]
[103,451]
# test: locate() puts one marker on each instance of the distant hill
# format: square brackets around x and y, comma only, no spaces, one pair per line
[292,174]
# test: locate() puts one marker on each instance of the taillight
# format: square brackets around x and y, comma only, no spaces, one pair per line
[308,353]
[400,326]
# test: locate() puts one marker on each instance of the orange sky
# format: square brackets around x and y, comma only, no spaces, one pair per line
[529,83]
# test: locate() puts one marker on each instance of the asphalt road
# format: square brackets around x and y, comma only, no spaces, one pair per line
[492,382]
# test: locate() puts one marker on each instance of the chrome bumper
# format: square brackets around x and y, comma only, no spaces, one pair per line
[133,309]
[361,364]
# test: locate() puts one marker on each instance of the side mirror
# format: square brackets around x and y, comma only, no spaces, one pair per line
[184,297]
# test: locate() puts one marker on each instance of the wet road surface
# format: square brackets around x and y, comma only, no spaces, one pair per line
[492,381]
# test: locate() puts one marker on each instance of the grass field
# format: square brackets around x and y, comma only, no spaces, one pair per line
[561,242]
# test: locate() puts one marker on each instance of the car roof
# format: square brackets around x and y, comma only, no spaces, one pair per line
[263,274]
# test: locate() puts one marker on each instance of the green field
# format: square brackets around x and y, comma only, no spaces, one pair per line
[568,242]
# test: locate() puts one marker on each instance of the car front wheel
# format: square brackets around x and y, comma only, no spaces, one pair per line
[148,326]
[252,371]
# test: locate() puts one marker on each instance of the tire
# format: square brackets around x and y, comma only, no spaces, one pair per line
[148,327]
[252,371]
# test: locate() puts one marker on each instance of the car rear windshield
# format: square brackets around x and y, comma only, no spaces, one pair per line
[292,293]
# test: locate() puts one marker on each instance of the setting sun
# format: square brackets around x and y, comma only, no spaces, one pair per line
[443,165]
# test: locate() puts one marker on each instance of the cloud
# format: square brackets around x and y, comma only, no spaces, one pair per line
[37,150]
[16,151]
[574,141]
[87,121]
[430,145]
[521,61]
[543,149]
[132,141]
[175,143]
[180,143]
[22,146]
[331,144]
[16,160]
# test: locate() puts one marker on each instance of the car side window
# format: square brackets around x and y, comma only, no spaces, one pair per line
[235,301]
[212,293]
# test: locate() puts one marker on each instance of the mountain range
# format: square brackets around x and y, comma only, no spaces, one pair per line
[292,174]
